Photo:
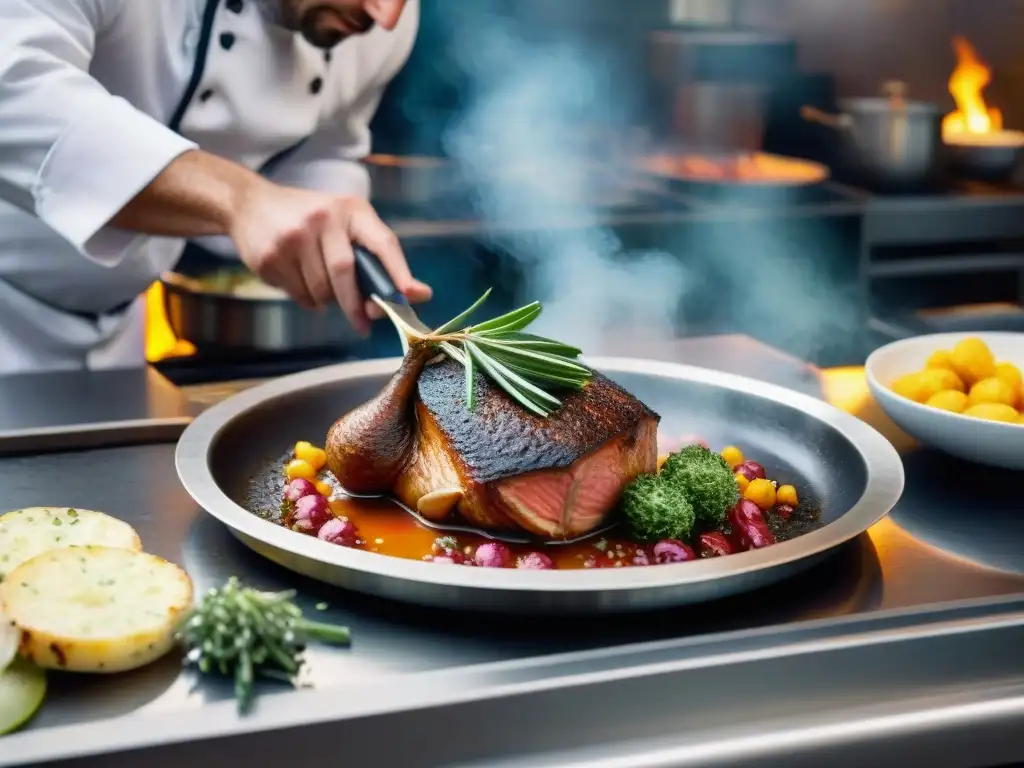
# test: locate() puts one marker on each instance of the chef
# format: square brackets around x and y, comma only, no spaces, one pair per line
[129,127]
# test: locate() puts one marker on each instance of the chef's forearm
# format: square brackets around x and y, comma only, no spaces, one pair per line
[197,194]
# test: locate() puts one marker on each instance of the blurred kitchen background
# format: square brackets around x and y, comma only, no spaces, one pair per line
[822,175]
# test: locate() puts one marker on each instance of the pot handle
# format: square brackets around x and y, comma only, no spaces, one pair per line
[815,115]
[372,278]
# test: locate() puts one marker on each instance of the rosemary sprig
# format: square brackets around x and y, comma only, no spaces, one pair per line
[528,368]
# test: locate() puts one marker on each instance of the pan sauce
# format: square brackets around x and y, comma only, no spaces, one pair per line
[387,529]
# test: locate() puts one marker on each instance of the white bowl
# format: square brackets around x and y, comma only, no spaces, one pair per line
[984,442]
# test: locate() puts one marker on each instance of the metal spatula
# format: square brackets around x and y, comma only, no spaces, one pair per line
[374,281]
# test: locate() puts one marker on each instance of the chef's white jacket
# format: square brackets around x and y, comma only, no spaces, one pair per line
[98,96]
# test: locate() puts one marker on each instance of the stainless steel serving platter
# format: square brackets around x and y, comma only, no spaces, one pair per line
[834,458]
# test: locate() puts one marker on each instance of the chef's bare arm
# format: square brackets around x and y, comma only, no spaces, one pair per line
[295,238]
[99,171]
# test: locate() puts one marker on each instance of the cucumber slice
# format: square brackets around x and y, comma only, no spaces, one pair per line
[10,636]
[22,690]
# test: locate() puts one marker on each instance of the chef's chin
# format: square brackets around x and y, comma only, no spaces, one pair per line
[325,26]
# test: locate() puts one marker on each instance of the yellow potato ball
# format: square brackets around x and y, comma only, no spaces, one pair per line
[993,412]
[1011,374]
[948,400]
[992,390]
[921,386]
[973,360]
[941,358]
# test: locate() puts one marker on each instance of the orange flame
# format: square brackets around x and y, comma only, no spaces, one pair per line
[968,80]
[161,342]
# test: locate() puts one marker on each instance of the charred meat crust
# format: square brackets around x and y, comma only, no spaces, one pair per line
[499,439]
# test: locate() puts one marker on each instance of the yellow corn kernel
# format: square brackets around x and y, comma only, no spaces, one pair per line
[762,493]
[733,456]
[309,453]
[786,494]
[297,468]
[324,489]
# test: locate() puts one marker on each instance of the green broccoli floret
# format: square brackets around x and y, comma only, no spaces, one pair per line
[657,510]
[705,478]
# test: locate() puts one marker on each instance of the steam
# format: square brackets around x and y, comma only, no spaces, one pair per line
[524,146]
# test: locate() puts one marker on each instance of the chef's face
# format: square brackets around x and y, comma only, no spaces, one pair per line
[325,23]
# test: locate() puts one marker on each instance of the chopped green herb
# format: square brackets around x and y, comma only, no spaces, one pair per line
[245,633]
[447,542]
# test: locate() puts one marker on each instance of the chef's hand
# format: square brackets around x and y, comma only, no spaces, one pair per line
[301,241]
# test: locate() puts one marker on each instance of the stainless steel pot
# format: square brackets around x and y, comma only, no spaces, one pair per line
[888,140]
[212,320]
[719,116]
[710,84]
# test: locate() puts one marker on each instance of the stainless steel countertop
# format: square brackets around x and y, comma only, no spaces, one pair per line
[83,409]
[920,619]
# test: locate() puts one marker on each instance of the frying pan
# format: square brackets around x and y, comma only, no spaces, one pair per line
[217,321]
[686,168]
[834,458]
[837,460]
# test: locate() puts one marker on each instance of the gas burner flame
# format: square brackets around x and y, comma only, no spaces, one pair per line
[970,77]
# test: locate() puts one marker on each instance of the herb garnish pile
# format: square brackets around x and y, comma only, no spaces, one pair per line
[244,633]
[527,367]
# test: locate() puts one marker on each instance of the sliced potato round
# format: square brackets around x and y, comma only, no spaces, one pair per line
[95,609]
[22,689]
[28,532]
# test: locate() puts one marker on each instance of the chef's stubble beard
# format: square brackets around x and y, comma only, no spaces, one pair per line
[285,14]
